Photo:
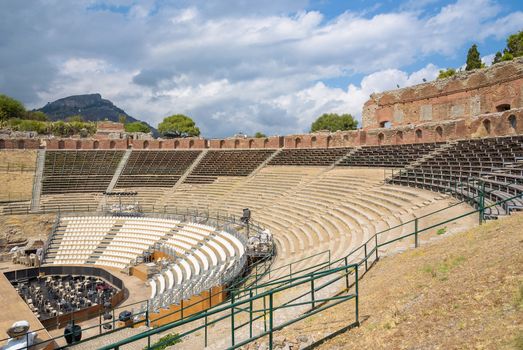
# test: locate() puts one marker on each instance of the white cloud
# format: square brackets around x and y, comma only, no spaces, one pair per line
[227,64]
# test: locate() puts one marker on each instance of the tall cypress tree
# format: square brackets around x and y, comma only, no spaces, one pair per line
[473,58]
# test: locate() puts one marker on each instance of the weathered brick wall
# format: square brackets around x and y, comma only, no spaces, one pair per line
[465,95]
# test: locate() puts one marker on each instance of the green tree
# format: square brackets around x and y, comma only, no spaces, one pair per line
[74,118]
[122,118]
[515,44]
[497,58]
[334,122]
[259,135]
[446,73]
[178,125]
[137,127]
[11,108]
[473,58]
[36,115]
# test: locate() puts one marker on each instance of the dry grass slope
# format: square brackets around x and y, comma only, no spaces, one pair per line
[461,292]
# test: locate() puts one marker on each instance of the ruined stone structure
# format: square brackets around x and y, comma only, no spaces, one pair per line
[482,91]
[479,103]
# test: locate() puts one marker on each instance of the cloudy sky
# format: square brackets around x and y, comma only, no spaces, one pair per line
[239,65]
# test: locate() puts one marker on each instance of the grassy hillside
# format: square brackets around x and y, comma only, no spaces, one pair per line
[461,292]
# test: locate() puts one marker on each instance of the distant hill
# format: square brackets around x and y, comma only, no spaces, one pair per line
[92,107]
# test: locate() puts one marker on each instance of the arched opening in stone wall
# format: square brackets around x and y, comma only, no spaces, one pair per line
[329,140]
[191,143]
[61,144]
[251,143]
[399,137]
[78,144]
[297,142]
[345,137]
[222,143]
[236,143]
[2,144]
[146,145]
[381,137]
[385,124]
[96,145]
[503,107]
[439,133]
[112,145]
[160,144]
[129,146]
[21,144]
[419,135]
[176,144]
[487,126]
[512,121]
[265,143]
[313,141]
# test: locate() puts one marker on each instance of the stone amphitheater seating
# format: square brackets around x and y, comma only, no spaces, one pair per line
[395,156]
[202,252]
[496,161]
[309,156]
[155,168]
[228,163]
[79,171]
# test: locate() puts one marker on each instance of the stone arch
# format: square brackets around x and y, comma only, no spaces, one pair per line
[236,143]
[329,141]
[439,133]
[313,141]
[160,144]
[512,121]
[251,143]
[381,138]
[265,143]
[487,125]
[176,144]
[419,135]
[96,144]
[112,145]
[146,145]
[503,107]
[385,124]
[78,145]
[297,142]
[61,144]
[222,143]
[191,143]
[2,144]
[21,144]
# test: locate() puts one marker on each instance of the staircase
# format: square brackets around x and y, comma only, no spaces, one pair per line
[105,241]
[116,176]
[170,192]
[37,182]
[265,162]
[436,151]
[348,155]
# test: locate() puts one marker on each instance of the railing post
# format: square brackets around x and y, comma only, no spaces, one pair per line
[357,298]
[232,318]
[264,315]
[376,245]
[270,321]
[365,250]
[205,329]
[346,274]
[481,202]
[416,242]
[250,313]
[147,321]
[312,293]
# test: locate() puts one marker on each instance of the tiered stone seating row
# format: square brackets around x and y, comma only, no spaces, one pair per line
[309,156]
[395,156]
[493,161]
[202,253]
[230,163]
[155,168]
[79,171]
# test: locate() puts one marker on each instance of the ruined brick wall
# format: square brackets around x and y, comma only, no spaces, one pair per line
[467,94]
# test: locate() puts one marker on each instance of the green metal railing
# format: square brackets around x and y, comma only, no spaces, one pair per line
[265,306]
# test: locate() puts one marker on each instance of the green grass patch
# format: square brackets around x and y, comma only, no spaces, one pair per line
[441,231]
[442,270]
[165,341]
